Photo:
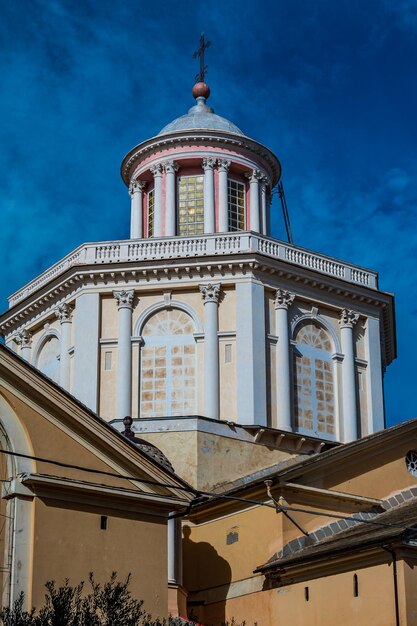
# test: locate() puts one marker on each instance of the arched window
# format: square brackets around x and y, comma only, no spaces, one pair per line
[48,358]
[168,365]
[314,389]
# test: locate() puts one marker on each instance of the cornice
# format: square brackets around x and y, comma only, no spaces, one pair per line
[221,139]
[228,268]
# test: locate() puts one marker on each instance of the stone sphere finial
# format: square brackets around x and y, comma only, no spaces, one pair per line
[201,90]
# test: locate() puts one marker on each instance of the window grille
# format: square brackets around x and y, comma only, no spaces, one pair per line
[168,365]
[191,205]
[151,212]
[314,388]
[236,205]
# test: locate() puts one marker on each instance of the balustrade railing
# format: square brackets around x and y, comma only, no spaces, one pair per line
[179,247]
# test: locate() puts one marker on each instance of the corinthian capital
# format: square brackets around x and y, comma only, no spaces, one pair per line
[254,176]
[210,292]
[136,186]
[170,167]
[124,298]
[283,299]
[223,165]
[23,338]
[156,170]
[208,163]
[64,312]
[348,318]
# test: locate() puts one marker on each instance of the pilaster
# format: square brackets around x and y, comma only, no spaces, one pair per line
[64,313]
[283,300]
[124,300]
[347,321]
[209,220]
[170,167]
[223,167]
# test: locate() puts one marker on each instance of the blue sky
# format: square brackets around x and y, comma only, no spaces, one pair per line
[329,86]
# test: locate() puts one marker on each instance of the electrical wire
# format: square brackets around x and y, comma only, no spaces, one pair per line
[199,495]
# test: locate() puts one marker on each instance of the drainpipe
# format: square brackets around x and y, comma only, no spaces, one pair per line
[394,573]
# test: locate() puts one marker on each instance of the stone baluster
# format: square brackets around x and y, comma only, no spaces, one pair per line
[254,177]
[209,220]
[64,313]
[211,294]
[283,300]
[156,171]
[136,188]
[223,167]
[23,338]
[124,357]
[350,418]
[170,168]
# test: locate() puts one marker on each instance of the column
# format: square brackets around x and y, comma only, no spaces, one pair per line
[223,167]
[251,353]
[156,171]
[209,221]
[64,314]
[170,168]
[86,349]
[23,338]
[211,293]
[264,219]
[283,300]
[350,418]
[136,188]
[124,353]
[254,177]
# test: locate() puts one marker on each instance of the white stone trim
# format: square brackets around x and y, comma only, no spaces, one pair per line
[51,332]
[159,306]
[322,322]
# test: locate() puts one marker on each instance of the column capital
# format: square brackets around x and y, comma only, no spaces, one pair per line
[156,170]
[348,318]
[208,163]
[124,298]
[210,292]
[223,165]
[254,176]
[136,186]
[23,338]
[64,312]
[283,299]
[170,167]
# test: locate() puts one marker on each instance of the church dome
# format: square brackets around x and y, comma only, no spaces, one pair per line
[201,116]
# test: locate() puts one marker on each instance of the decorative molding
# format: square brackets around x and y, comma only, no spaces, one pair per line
[283,299]
[223,165]
[136,186]
[167,298]
[64,312]
[23,338]
[348,318]
[254,176]
[298,319]
[159,306]
[156,170]
[124,298]
[314,312]
[208,163]
[170,167]
[210,292]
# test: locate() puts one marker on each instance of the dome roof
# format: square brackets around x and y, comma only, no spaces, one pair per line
[201,116]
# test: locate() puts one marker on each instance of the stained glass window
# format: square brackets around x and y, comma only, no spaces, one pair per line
[191,205]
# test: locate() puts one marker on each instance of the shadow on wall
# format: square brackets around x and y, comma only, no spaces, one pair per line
[207,579]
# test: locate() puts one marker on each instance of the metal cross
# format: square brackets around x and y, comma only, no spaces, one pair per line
[199,78]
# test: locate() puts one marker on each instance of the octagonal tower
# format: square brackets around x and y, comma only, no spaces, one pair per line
[215,337]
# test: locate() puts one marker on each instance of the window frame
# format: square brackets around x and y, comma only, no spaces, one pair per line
[150,213]
[229,211]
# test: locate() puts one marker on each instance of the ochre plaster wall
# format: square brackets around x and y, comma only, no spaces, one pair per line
[69,543]
[331,602]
